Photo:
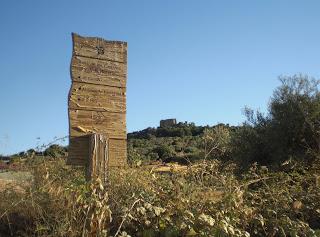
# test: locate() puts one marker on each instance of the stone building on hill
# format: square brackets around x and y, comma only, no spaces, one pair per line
[167,123]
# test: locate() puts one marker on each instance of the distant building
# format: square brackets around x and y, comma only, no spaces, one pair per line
[167,123]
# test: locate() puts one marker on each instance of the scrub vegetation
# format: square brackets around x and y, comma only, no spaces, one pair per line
[258,179]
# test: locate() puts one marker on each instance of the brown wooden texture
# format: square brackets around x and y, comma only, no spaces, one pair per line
[117,152]
[101,72]
[97,98]
[91,121]
[78,151]
[97,48]
[98,157]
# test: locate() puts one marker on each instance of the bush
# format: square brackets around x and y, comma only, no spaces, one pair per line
[58,202]
[209,200]
[295,115]
[55,151]
[291,128]
[216,141]
[164,152]
[206,199]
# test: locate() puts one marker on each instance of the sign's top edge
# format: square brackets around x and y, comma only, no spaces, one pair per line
[97,38]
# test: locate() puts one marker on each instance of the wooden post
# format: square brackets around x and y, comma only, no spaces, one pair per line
[97,166]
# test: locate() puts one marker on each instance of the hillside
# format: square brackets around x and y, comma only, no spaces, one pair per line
[182,143]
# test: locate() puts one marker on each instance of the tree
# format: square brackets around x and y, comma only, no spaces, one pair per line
[295,115]
[164,152]
[290,129]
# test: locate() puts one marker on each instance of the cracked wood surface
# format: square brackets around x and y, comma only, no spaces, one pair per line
[90,121]
[98,48]
[100,72]
[97,97]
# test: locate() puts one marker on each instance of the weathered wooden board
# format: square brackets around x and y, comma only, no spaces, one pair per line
[90,121]
[117,151]
[78,147]
[101,72]
[96,97]
[99,157]
[94,47]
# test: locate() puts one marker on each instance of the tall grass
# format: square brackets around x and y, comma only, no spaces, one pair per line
[207,199]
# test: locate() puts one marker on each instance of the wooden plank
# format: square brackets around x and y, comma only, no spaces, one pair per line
[84,122]
[78,151]
[94,47]
[98,72]
[97,97]
[98,158]
[117,152]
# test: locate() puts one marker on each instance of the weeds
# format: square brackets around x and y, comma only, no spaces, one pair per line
[206,199]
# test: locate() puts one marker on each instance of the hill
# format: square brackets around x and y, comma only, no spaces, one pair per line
[183,143]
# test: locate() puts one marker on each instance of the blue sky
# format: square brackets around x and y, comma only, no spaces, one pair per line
[199,61]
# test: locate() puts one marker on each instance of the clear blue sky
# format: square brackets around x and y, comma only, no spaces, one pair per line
[198,61]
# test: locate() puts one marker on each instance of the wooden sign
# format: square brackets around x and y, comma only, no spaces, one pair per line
[97,101]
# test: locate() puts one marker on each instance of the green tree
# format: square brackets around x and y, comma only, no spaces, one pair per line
[290,129]
[295,114]
[164,152]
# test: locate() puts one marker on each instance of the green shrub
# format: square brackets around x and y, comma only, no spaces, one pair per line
[55,151]
[290,129]
[164,152]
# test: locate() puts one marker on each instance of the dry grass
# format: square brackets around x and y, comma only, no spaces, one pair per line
[207,199]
